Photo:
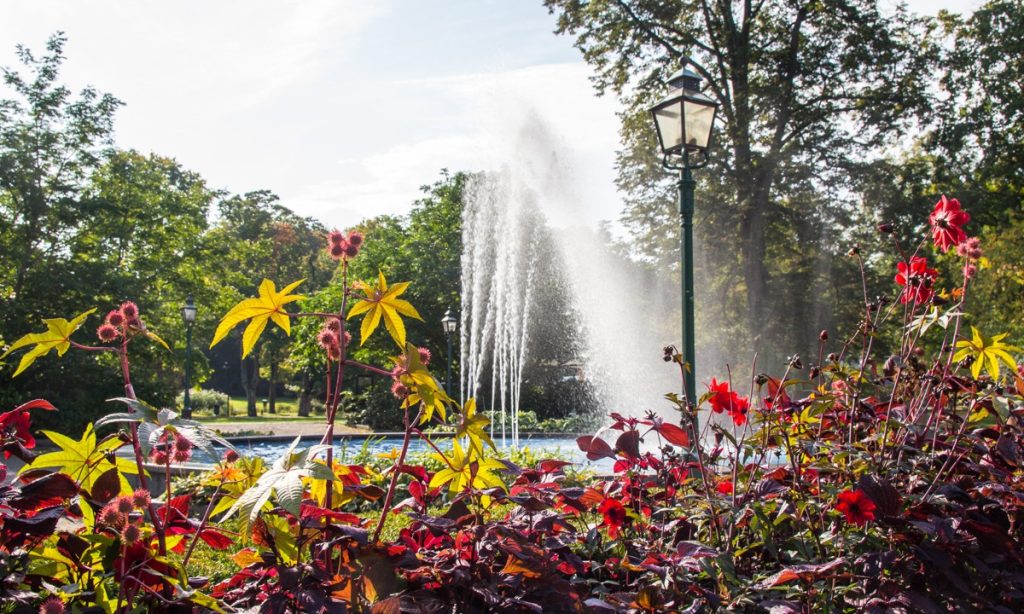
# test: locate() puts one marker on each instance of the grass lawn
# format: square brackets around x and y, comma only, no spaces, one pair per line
[287,409]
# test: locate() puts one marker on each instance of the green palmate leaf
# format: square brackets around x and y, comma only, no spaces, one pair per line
[381,302]
[57,336]
[987,354]
[85,460]
[269,306]
[153,423]
[283,479]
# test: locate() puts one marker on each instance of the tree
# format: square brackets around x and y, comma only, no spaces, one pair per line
[801,85]
[980,128]
[259,238]
[49,144]
[85,226]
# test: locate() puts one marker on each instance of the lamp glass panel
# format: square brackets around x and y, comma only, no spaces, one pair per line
[670,126]
[699,118]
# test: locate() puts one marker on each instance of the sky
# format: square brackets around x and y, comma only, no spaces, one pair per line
[344,108]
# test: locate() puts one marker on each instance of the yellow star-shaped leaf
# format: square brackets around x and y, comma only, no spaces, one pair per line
[57,335]
[467,471]
[269,306]
[473,426]
[423,388]
[381,302]
[85,460]
[987,354]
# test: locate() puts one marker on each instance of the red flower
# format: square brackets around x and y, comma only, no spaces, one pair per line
[724,487]
[947,222]
[614,516]
[728,401]
[856,506]
[14,425]
[917,280]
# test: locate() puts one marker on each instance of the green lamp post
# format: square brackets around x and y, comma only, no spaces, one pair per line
[188,315]
[448,325]
[684,120]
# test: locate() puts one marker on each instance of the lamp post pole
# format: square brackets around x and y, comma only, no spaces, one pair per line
[448,377]
[448,325]
[686,207]
[188,314]
[684,121]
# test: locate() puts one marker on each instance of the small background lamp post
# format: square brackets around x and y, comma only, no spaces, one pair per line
[684,120]
[188,314]
[448,325]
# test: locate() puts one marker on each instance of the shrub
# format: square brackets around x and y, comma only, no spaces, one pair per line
[204,400]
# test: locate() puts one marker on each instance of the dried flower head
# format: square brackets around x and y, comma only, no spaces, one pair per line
[333,325]
[111,517]
[399,389]
[181,456]
[327,339]
[107,333]
[124,505]
[52,605]
[131,533]
[140,498]
[130,310]
[115,318]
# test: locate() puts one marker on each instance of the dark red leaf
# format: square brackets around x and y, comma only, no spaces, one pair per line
[673,434]
[886,498]
[36,404]
[215,539]
[595,447]
[801,572]
[50,486]
[629,444]
[106,487]
[551,465]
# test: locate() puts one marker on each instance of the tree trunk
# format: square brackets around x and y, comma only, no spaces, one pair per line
[250,379]
[306,395]
[272,390]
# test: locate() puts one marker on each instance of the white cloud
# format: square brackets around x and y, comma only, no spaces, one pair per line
[542,120]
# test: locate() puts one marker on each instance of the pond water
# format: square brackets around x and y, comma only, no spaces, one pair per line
[346,448]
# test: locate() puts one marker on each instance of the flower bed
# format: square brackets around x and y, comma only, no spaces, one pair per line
[898,489]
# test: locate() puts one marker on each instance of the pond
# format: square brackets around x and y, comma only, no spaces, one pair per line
[347,447]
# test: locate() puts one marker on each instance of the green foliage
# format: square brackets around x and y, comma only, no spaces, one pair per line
[768,203]
[204,400]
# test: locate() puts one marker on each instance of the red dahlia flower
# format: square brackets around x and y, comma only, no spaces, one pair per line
[614,516]
[725,399]
[856,506]
[917,280]
[947,220]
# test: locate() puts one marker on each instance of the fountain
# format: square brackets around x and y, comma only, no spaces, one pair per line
[535,283]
